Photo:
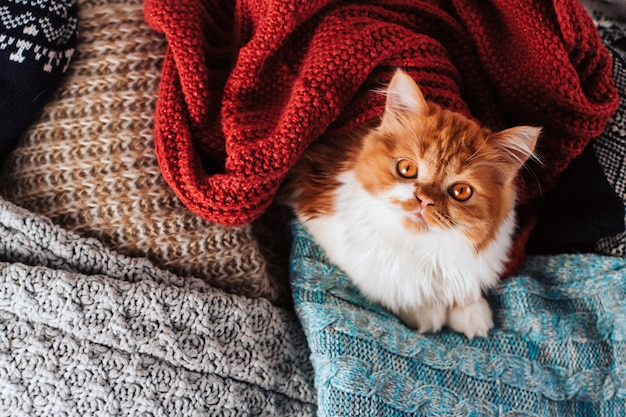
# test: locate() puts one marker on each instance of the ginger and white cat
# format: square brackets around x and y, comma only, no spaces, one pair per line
[417,208]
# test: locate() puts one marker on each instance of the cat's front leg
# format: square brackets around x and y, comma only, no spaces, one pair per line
[425,319]
[473,319]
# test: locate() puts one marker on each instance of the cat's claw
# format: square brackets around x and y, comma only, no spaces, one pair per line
[473,319]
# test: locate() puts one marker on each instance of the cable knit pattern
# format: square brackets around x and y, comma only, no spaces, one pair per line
[558,348]
[85,331]
[89,165]
[247,86]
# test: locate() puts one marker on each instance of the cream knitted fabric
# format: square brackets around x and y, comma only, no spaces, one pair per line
[89,164]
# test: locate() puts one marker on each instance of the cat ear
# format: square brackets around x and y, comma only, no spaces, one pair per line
[404,96]
[517,145]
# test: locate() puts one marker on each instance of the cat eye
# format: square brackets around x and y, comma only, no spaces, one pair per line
[461,191]
[406,168]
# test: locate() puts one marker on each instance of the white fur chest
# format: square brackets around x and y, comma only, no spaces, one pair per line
[400,268]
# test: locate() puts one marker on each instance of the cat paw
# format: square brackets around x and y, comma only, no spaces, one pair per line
[424,319]
[473,319]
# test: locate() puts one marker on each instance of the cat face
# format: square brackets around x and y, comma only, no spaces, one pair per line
[440,170]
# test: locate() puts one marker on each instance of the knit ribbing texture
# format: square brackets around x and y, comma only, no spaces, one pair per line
[246,88]
[88,163]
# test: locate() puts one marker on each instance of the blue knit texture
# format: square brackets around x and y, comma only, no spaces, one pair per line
[558,347]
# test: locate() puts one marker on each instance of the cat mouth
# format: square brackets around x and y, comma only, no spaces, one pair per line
[417,216]
[415,222]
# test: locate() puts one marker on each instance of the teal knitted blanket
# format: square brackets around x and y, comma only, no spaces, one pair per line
[558,347]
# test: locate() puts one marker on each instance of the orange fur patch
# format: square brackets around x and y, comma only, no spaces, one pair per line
[313,180]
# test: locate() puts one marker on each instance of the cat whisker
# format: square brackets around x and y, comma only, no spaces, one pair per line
[534,157]
[452,221]
[534,175]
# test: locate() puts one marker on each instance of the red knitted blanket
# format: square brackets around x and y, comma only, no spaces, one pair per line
[248,85]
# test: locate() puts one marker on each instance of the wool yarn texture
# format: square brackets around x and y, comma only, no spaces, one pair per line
[88,163]
[246,86]
[87,331]
[557,349]
[610,147]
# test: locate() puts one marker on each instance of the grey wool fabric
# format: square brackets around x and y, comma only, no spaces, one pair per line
[87,331]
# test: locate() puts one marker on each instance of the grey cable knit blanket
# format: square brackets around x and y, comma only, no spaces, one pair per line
[86,331]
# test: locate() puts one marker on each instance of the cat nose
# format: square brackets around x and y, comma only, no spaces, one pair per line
[424,200]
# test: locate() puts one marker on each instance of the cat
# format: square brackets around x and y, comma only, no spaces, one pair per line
[418,208]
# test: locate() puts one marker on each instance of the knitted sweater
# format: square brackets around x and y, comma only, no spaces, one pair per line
[246,87]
